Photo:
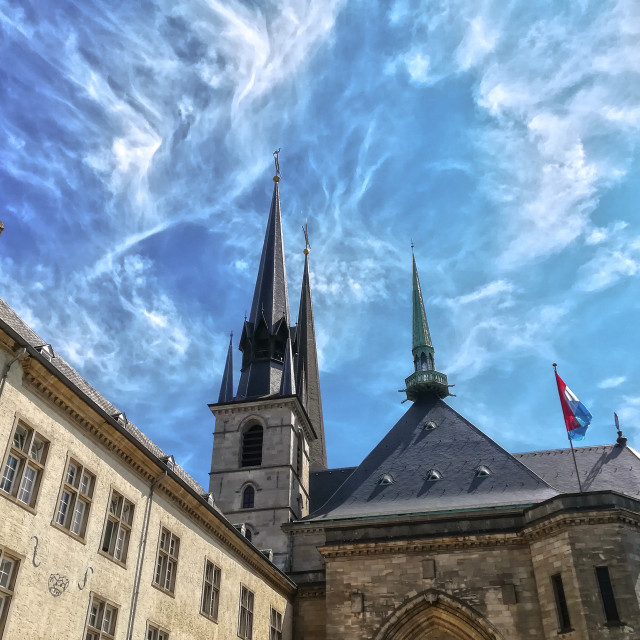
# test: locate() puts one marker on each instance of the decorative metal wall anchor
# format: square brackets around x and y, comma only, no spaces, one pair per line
[57,584]
[86,576]
[35,551]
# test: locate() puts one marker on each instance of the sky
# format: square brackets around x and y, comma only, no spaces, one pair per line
[501,138]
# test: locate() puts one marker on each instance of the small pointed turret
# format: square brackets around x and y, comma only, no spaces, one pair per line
[425,380]
[265,334]
[288,384]
[307,374]
[226,387]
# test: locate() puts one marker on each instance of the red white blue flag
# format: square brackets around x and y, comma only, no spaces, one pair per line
[576,416]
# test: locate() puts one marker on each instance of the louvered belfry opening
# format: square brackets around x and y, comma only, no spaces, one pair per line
[252,446]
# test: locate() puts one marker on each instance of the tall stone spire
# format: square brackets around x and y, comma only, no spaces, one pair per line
[226,387]
[265,333]
[307,374]
[425,380]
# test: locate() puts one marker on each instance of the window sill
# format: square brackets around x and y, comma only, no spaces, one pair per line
[24,505]
[55,525]
[114,560]
[563,632]
[208,617]
[171,594]
[616,623]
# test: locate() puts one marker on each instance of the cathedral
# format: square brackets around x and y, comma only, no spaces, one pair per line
[438,534]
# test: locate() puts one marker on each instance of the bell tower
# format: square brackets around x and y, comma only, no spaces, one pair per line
[264,435]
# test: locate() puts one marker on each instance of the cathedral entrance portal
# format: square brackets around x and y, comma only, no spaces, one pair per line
[434,615]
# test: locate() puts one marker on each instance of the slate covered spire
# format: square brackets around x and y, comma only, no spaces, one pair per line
[425,381]
[265,333]
[307,374]
[226,387]
[288,383]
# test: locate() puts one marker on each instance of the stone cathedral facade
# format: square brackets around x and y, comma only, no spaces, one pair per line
[438,534]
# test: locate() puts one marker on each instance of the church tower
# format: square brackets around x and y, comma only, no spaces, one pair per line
[425,380]
[269,433]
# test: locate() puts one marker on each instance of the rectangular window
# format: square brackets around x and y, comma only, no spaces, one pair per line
[275,625]
[8,571]
[564,622]
[167,561]
[101,620]
[75,498]
[24,464]
[210,591]
[117,529]
[606,593]
[245,617]
[155,633]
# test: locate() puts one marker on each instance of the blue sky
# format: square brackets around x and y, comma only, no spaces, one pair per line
[500,137]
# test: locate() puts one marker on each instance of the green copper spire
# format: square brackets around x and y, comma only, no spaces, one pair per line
[425,380]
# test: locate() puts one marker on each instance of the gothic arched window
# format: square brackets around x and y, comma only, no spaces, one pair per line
[248,497]
[252,446]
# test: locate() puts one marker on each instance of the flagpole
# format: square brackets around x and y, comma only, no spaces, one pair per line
[573,453]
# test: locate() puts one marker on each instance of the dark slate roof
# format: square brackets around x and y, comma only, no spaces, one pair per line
[602,468]
[455,448]
[13,321]
[323,484]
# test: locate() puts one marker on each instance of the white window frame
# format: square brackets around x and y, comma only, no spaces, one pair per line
[275,625]
[75,498]
[210,600]
[164,573]
[23,465]
[116,534]
[154,632]
[102,618]
[245,613]
[9,566]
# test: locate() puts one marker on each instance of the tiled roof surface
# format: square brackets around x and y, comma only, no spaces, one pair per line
[601,468]
[9,317]
[323,484]
[454,448]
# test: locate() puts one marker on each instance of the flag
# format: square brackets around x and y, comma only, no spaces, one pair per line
[576,416]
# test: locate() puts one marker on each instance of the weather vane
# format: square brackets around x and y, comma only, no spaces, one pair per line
[275,159]
[305,230]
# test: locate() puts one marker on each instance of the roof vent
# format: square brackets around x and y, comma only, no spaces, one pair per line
[170,461]
[46,351]
[267,553]
[209,498]
[430,426]
[433,475]
[241,527]
[385,479]
[482,471]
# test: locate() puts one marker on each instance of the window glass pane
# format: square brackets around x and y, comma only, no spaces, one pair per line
[63,508]
[85,484]
[108,536]
[115,504]
[127,512]
[6,572]
[72,472]
[9,474]
[160,569]
[78,517]
[121,544]
[37,450]
[27,485]
[94,619]
[20,438]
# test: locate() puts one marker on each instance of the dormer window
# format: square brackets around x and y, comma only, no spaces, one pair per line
[430,426]
[482,471]
[433,475]
[385,479]
[46,351]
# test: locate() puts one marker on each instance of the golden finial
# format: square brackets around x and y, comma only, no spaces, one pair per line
[307,246]
[276,178]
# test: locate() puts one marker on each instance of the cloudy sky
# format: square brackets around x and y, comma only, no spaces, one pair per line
[502,138]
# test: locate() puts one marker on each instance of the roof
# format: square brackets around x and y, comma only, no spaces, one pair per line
[602,468]
[323,484]
[431,436]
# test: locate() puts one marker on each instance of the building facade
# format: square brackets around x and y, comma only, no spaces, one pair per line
[438,534]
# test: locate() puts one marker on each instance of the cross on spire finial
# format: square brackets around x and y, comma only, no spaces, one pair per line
[307,244]
[276,178]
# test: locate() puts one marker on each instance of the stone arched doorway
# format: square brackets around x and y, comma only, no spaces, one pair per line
[435,615]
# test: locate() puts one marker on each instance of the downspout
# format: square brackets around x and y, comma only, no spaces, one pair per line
[5,373]
[141,550]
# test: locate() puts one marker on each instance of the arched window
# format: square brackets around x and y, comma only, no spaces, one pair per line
[423,362]
[299,454]
[252,446]
[248,497]
[431,364]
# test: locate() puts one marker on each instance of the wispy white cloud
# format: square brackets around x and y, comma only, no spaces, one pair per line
[611,383]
